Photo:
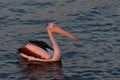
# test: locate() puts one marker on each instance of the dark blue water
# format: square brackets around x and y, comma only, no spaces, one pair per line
[95,22]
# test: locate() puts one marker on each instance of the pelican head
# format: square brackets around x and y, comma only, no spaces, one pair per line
[53,28]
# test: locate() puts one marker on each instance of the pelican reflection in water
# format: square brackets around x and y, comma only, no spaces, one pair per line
[36,69]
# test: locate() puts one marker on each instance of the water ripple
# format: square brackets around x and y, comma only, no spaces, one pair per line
[95,57]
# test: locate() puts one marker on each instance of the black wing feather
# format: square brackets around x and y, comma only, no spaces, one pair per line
[27,51]
[41,44]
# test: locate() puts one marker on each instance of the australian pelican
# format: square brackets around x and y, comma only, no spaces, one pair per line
[40,51]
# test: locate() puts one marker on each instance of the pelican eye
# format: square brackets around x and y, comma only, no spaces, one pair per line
[47,24]
[54,25]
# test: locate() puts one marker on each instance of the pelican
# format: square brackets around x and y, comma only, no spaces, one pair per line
[41,51]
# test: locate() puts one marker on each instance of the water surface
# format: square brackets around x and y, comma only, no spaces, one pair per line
[95,22]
